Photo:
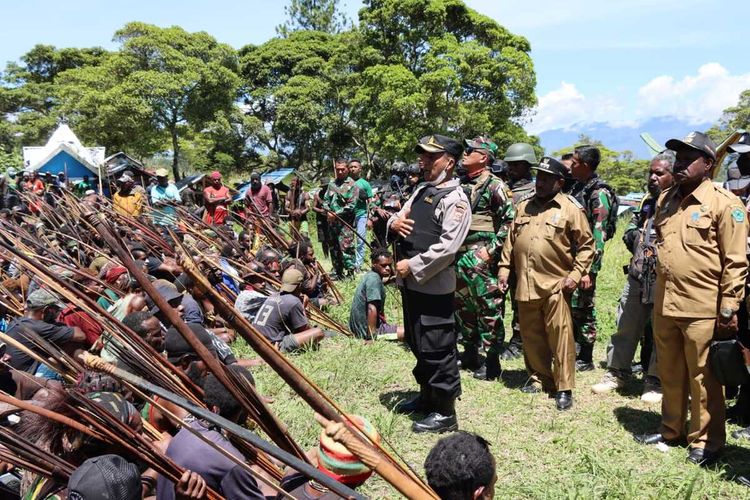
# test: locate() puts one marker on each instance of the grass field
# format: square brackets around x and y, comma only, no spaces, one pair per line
[587,452]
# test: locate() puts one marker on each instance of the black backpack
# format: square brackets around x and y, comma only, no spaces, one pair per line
[610,225]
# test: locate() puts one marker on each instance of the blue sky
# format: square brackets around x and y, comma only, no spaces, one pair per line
[611,61]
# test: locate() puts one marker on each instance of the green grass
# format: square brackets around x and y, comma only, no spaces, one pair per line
[587,452]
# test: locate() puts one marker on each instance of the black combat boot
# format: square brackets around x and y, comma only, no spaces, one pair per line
[585,362]
[469,360]
[417,404]
[514,349]
[490,370]
[442,417]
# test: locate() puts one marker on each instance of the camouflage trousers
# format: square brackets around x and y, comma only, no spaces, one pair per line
[584,315]
[342,248]
[480,305]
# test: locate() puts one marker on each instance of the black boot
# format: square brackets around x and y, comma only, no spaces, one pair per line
[469,360]
[442,418]
[490,370]
[417,404]
[585,362]
[514,349]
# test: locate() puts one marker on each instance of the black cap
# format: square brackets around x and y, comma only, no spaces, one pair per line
[551,166]
[694,140]
[105,476]
[168,291]
[439,144]
[742,145]
[177,347]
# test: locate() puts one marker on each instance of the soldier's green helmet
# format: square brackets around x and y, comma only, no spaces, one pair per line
[521,151]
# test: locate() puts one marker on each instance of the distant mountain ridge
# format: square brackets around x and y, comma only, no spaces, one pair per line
[620,138]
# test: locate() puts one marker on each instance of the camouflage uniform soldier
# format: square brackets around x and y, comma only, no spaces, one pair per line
[339,201]
[480,303]
[385,204]
[520,158]
[600,202]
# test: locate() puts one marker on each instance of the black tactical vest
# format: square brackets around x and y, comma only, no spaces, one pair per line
[427,229]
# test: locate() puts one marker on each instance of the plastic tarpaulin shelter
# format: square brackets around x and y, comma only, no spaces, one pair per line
[276,176]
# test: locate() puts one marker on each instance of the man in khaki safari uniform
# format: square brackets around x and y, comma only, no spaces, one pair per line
[550,247]
[701,233]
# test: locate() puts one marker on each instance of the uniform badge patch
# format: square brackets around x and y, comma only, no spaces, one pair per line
[694,216]
[738,215]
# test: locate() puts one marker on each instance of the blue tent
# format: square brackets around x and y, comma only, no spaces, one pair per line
[65,162]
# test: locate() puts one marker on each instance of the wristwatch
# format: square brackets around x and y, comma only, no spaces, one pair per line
[726,313]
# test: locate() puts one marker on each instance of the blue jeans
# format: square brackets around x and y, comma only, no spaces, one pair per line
[360,223]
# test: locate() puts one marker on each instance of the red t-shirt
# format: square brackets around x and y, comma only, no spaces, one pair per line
[263,200]
[71,316]
[216,213]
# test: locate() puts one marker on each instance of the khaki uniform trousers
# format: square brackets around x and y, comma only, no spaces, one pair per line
[682,348]
[548,346]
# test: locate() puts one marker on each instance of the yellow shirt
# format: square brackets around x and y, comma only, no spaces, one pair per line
[540,246]
[701,262]
[129,204]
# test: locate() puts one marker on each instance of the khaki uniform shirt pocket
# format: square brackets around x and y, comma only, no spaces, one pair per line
[554,229]
[698,232]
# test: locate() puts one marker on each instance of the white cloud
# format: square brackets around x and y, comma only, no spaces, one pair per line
[567,106]
[696,99]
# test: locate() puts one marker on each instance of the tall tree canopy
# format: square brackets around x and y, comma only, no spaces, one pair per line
[166,78]
[313,15]
[410,68]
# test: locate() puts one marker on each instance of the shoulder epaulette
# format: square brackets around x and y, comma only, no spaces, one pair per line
[526,197]
[727,193]
[574,200]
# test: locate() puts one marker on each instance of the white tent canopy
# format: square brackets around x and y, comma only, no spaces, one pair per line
[63,139]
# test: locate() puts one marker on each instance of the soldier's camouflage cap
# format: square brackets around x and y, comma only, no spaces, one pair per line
[694,140]
[439,144]
[482,143]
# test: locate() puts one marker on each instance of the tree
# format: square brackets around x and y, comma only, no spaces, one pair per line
[161,84]
[411,67]
[289,89]
[29,94]
[733,118]
[477,76]
[313,15]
